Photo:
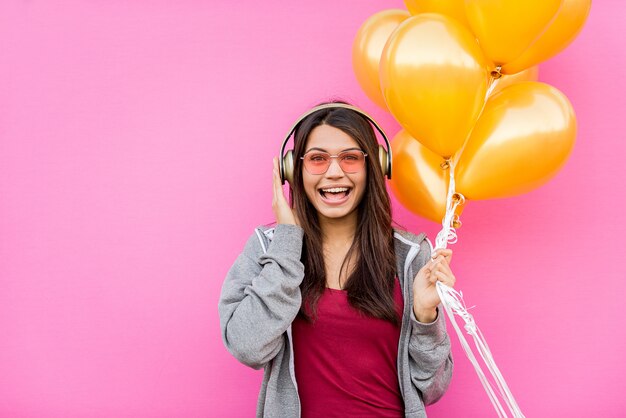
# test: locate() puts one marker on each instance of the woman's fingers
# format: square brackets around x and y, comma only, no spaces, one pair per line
[443,266]
[276,192]
[283,212]
[447,279]
[276,177]
[279,195]
[444,252]
[439,270]
[442,258]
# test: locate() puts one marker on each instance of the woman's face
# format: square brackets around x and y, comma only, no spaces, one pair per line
[334,194]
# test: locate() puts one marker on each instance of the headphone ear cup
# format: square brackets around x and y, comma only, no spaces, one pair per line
[287,173]
[383,159]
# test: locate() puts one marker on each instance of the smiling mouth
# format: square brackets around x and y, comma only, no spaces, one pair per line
[335,193]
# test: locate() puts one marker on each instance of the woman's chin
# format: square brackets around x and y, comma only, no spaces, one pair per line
[335,212]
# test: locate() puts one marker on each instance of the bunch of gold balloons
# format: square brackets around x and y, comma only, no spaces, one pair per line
[460,78]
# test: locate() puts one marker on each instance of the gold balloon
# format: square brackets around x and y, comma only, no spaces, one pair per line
[367,48]
[523,137]
[567,24]
[529,74]
[419,182]
[434,79]
[506,28]
[451,8]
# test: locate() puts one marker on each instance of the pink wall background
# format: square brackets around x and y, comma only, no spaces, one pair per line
[135,159]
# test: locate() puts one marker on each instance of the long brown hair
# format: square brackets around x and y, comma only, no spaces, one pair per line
[370,285]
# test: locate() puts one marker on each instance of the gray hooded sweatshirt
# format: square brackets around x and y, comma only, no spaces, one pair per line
[261,297]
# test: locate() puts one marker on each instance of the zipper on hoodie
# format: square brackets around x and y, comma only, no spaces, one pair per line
[292,372]
[413,251]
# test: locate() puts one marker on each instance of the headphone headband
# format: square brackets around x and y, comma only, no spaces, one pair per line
[387,164]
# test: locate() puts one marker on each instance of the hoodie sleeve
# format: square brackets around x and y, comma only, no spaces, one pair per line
[261,296]
[430,358]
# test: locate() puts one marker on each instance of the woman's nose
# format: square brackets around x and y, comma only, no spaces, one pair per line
[334,169]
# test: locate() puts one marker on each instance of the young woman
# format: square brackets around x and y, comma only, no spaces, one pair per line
[338,308]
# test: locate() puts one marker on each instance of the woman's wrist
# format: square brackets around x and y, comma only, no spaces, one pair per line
[425,315]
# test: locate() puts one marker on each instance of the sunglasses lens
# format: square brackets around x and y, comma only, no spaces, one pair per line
[351,161]
[317,162]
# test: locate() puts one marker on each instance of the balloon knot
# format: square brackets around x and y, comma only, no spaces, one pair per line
[496,74]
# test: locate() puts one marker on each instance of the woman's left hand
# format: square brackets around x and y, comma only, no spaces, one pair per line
[425,297]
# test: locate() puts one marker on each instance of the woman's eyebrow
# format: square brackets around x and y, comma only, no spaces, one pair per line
[323,150]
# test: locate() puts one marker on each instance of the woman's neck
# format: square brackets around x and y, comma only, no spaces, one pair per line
[338,231]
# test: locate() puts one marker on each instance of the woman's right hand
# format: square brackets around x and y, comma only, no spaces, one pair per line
[283,212]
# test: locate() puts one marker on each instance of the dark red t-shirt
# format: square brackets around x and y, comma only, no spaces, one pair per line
[346,362]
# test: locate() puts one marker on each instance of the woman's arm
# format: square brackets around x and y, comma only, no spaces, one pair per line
[430,359]
[261,296]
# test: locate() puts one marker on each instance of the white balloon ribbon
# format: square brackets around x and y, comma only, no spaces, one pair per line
[453,304]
